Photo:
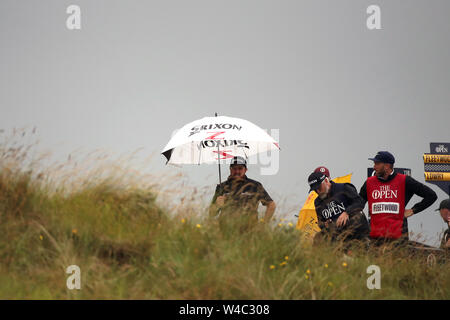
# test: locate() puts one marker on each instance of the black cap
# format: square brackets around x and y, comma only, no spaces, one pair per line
[384,156]
[315,179]
[238,161]
[445,204]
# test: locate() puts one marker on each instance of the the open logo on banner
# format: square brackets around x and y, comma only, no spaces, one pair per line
[437,165]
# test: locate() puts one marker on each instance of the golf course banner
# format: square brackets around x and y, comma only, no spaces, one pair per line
[437,165]
[437,176]
[436,158]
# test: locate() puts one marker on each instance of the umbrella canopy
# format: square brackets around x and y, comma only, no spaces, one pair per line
[212,139]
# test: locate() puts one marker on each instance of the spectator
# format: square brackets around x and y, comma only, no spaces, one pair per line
[444,210]
[338,208]
[388,193]
[238,197]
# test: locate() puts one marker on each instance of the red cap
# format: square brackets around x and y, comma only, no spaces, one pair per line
[323,170]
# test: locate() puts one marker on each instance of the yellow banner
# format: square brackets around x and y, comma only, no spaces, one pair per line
[436,158]
[437,176]
[307,218]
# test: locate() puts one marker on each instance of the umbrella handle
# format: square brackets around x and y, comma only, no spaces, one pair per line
[220,173]
[218,162]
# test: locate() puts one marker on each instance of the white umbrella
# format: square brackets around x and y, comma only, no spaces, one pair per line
[212,139]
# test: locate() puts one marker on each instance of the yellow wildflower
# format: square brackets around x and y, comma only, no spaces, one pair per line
[272,267]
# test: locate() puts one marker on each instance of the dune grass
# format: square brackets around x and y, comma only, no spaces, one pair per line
[130,247]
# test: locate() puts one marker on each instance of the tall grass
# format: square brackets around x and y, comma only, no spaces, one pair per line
[129,245]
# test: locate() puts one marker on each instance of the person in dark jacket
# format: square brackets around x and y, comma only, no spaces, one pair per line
[238,197]
[388,194]
[339,209]
[444,210]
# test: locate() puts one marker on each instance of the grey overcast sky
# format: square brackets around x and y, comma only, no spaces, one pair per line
[337,91]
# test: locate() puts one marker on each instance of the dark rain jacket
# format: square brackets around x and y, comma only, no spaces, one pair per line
[342,197]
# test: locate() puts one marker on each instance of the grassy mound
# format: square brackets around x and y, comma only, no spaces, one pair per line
[129,247]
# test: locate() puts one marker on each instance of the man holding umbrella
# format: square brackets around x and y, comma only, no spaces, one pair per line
[238,197]
[215,139]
